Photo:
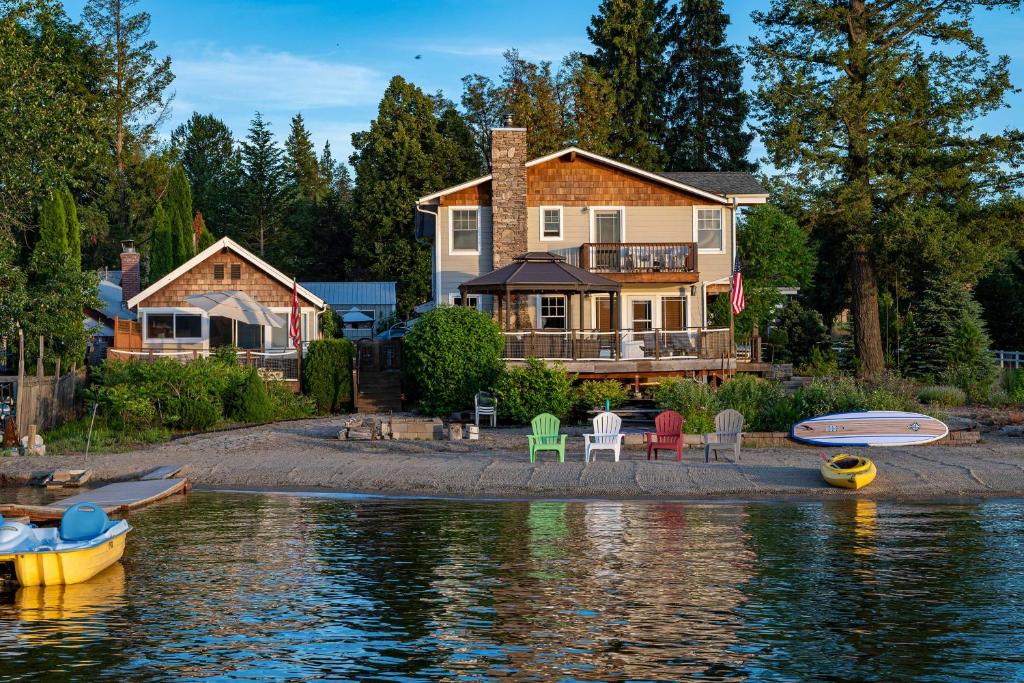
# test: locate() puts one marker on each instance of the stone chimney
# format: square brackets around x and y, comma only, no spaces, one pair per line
[131,282]
[508,193]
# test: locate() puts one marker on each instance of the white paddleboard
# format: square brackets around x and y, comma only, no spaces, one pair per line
[870,428]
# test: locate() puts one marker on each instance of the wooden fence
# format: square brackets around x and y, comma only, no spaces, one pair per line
[45,402]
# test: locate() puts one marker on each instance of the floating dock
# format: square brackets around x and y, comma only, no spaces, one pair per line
[116,499]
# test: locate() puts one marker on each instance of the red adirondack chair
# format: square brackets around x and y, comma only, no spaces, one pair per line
[668,435]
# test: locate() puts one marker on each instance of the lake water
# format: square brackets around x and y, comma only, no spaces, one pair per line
[237,586]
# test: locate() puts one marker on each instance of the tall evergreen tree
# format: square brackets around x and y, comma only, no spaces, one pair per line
[51,252]
[628,53]
[13,284]
[135,81]
[161,259]
[301,164]
[179,215]
[841,95]
[530,96]
[588,105]
[401,157]
[707,107]
[263,188]
[73,228]
[203,237]
[206,149]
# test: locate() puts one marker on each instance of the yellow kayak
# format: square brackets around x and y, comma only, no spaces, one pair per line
[848,471]
[85,544]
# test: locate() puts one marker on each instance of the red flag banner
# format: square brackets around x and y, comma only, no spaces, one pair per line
[739,302]
[294,319]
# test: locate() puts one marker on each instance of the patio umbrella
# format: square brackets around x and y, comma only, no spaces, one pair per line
[237,306]
[354,315]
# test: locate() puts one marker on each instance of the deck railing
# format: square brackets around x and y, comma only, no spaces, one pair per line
[639,257]
[1009,359]
[593,345]
[274,364]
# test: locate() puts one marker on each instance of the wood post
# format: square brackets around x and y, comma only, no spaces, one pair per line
[19,398]
[39,360]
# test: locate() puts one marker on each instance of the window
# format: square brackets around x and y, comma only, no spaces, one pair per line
[279,337]
[673,313]
[160,326]
[709,229]
[249,336]
[552,312]
[465,224]
[603,308]
[218,271]
[236,271]
[642,319]
[607,225]
[473,300]
[188,326]
[551,222]
[174,326]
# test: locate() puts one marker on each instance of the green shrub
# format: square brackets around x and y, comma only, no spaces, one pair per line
[843,394]
[593,394]
[692,399]
[525,392]
[449,355]
[779,416]
[254,403]
[225,354]
[198,413]
[289,405]
[753,397]
[942,396]
[821,362]
[327,375]
[126,409]
[1013,384]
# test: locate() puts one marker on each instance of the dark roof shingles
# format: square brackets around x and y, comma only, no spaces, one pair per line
[718,182]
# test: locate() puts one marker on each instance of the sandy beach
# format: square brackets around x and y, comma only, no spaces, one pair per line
[307,455]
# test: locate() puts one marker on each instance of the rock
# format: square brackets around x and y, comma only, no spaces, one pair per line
[1012,430]
[957,423]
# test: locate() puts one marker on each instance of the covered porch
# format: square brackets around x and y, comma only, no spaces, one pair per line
[576,319]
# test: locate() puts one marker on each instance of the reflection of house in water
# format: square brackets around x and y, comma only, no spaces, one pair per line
[628,591]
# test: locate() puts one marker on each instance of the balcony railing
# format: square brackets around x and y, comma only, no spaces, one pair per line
[590,345]
[646,257]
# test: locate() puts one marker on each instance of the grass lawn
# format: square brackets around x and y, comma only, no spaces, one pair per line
[71,437]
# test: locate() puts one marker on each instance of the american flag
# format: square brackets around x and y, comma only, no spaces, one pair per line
[739,302]
[294,326]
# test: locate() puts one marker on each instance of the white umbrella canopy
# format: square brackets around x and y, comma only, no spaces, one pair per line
[354,315]
[237,306]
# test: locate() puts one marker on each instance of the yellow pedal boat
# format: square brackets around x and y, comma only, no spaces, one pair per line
[85,544]
[848,471]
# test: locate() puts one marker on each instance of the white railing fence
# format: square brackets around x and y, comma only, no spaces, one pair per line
[1009,359]
[272,364]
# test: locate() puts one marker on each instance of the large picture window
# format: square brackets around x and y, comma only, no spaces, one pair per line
[173,326]
[709,229]
[465,230]
[552,312]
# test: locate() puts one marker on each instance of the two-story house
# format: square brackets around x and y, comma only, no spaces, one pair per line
[602,265]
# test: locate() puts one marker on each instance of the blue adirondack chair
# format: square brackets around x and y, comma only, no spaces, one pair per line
[545,436]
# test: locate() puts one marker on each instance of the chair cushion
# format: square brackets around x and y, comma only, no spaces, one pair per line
[82,522]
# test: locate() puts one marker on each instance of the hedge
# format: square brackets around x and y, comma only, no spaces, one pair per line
[327,375]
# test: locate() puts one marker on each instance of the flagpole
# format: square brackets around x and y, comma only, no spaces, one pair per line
[298,313]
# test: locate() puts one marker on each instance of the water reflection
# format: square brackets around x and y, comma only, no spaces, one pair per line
[289,587]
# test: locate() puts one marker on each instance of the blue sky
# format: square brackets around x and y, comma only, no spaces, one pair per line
[332,59]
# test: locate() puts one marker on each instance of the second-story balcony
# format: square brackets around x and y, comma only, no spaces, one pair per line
[641,261]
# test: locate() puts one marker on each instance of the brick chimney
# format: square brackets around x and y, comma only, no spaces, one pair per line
[131,282]
[508,193]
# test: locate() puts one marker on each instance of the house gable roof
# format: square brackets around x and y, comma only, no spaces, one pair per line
[719,182]
[703,188]
[223,243]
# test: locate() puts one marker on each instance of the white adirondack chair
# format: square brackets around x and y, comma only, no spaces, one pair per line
[486,405]
[728,435]
[607,435]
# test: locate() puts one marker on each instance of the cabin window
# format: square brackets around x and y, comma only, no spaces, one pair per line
[709,229]
[552,312]
[279,336]
[551,222]
[643,321]
[465,229]
[218,271]
[673,313]
[236,271]
[159,326]
[171,326]
[188,326]
[249,336]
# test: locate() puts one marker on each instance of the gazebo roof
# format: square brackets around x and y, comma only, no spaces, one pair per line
[539,271]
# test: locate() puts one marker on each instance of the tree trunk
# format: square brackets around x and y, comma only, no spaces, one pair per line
[867,329]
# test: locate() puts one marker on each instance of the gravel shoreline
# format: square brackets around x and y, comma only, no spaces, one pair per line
[307,456]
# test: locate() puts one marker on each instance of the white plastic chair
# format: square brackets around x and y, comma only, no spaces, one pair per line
[485,404]
[607,435]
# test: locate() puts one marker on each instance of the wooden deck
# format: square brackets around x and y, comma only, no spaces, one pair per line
[115,499]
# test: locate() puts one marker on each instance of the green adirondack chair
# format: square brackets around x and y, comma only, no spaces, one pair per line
[545,436]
